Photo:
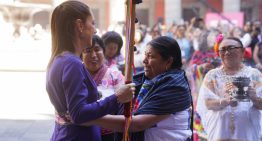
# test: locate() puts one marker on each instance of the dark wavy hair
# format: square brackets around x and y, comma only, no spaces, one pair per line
[113,37]
[168,47]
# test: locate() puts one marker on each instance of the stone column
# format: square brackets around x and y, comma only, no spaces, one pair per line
[117,11]
[231,5]
[173,11]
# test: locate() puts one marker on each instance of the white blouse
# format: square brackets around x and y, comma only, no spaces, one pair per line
[246,117]
[175,128]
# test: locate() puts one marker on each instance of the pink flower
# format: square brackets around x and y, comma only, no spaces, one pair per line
[219,38]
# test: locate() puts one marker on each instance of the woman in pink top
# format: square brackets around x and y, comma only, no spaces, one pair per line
[107,79]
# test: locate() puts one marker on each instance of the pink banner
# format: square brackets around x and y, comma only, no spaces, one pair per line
[213,19]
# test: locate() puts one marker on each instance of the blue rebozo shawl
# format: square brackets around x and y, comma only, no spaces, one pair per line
[168,93]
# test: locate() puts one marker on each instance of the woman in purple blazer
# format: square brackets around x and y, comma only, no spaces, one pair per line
[70,87]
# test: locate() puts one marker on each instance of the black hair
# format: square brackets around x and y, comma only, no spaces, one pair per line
[113,37]
[168,47]
[99,41]
[237,40]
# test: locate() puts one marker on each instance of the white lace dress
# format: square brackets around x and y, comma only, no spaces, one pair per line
[246,118]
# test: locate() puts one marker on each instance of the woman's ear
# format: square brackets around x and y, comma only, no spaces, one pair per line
[169,62]
[79,28]
[79,25]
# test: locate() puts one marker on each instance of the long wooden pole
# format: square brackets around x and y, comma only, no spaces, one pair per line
[129,57]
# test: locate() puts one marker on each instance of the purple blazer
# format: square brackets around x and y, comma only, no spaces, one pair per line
[71,89]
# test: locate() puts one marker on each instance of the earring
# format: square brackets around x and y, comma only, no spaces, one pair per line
[81,36]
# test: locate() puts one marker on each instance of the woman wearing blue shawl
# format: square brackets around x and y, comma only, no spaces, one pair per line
[162,106]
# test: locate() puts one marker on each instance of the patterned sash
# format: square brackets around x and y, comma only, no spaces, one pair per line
[143,91]
[63,119]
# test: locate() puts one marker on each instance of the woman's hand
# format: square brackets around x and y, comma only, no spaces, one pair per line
[257,101]
[229,100]
[251,92]
[125,93]
[229,95]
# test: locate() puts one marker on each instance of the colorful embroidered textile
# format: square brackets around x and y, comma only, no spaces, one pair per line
[100,74]
[200,57]
[143,91]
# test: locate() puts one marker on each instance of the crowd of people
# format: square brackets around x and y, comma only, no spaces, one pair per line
[182,87]
[197,41]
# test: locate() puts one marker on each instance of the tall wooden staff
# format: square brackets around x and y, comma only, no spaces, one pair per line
[129,57]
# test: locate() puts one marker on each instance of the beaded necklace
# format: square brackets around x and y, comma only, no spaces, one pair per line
[232,114]
[231,92]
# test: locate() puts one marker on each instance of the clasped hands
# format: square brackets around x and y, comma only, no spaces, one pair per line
[231,89]
[125,93]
